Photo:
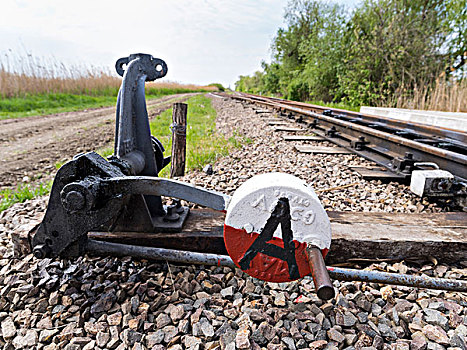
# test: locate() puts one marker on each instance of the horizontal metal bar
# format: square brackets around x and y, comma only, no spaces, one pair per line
[397,279]
[178,256]
[157,186]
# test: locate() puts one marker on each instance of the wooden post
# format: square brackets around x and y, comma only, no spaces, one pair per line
[178,139]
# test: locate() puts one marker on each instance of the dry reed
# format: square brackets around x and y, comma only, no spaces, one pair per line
[27,74]
[448,96]
[30,75]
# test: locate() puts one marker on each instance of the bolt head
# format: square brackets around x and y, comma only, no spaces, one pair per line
[39,253]
[74,201]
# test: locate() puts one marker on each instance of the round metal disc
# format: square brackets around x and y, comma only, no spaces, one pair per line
[269,222]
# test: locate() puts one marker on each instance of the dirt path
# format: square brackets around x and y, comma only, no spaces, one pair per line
[30,147]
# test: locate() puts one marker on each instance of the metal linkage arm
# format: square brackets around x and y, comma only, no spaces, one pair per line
[147,185]
[89,192]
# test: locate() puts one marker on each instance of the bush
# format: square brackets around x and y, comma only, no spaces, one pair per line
[218,86]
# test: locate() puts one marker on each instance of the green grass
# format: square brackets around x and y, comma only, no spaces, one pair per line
[21,193]
[42,104]
[17,107]
[204,144]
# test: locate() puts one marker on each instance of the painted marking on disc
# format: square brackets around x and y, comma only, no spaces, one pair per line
[269,222]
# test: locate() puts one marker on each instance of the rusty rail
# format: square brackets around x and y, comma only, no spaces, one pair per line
[424,129]
[395,145]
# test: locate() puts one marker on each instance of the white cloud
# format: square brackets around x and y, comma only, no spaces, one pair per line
[201,41]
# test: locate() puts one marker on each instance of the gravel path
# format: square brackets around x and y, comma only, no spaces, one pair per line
[110,303]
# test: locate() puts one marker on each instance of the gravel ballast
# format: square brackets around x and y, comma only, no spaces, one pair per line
[111,303]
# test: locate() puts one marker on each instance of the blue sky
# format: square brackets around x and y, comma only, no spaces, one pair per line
[202,41]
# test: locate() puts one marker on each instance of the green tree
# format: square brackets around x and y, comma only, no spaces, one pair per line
[363,56]
[253,84]
[392,44]
[308,49]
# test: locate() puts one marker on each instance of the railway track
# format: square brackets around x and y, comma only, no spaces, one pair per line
[400,147]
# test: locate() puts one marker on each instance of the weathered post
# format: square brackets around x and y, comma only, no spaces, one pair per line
[178,139]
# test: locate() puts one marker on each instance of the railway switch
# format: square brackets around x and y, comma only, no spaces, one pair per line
[275,227]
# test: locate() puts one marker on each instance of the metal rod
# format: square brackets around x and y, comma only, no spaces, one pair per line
[178,256]
[397,279]
[323,285]
[157,186]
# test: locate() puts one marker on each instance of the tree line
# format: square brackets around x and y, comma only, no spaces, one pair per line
[364,55]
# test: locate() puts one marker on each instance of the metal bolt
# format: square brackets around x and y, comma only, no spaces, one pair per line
[171,215]
[74,201]
[41,251]
[178,206]
[443,185]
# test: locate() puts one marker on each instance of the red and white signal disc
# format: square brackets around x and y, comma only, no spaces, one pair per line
[294,217]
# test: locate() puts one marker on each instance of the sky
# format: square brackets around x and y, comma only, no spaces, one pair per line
[202,41]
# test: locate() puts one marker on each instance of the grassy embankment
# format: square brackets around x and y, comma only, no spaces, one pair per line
[442,95]
[56,102]
[449,96]
[204,145]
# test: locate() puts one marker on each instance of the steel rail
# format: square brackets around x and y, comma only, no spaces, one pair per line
[427,130]
[380,147]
